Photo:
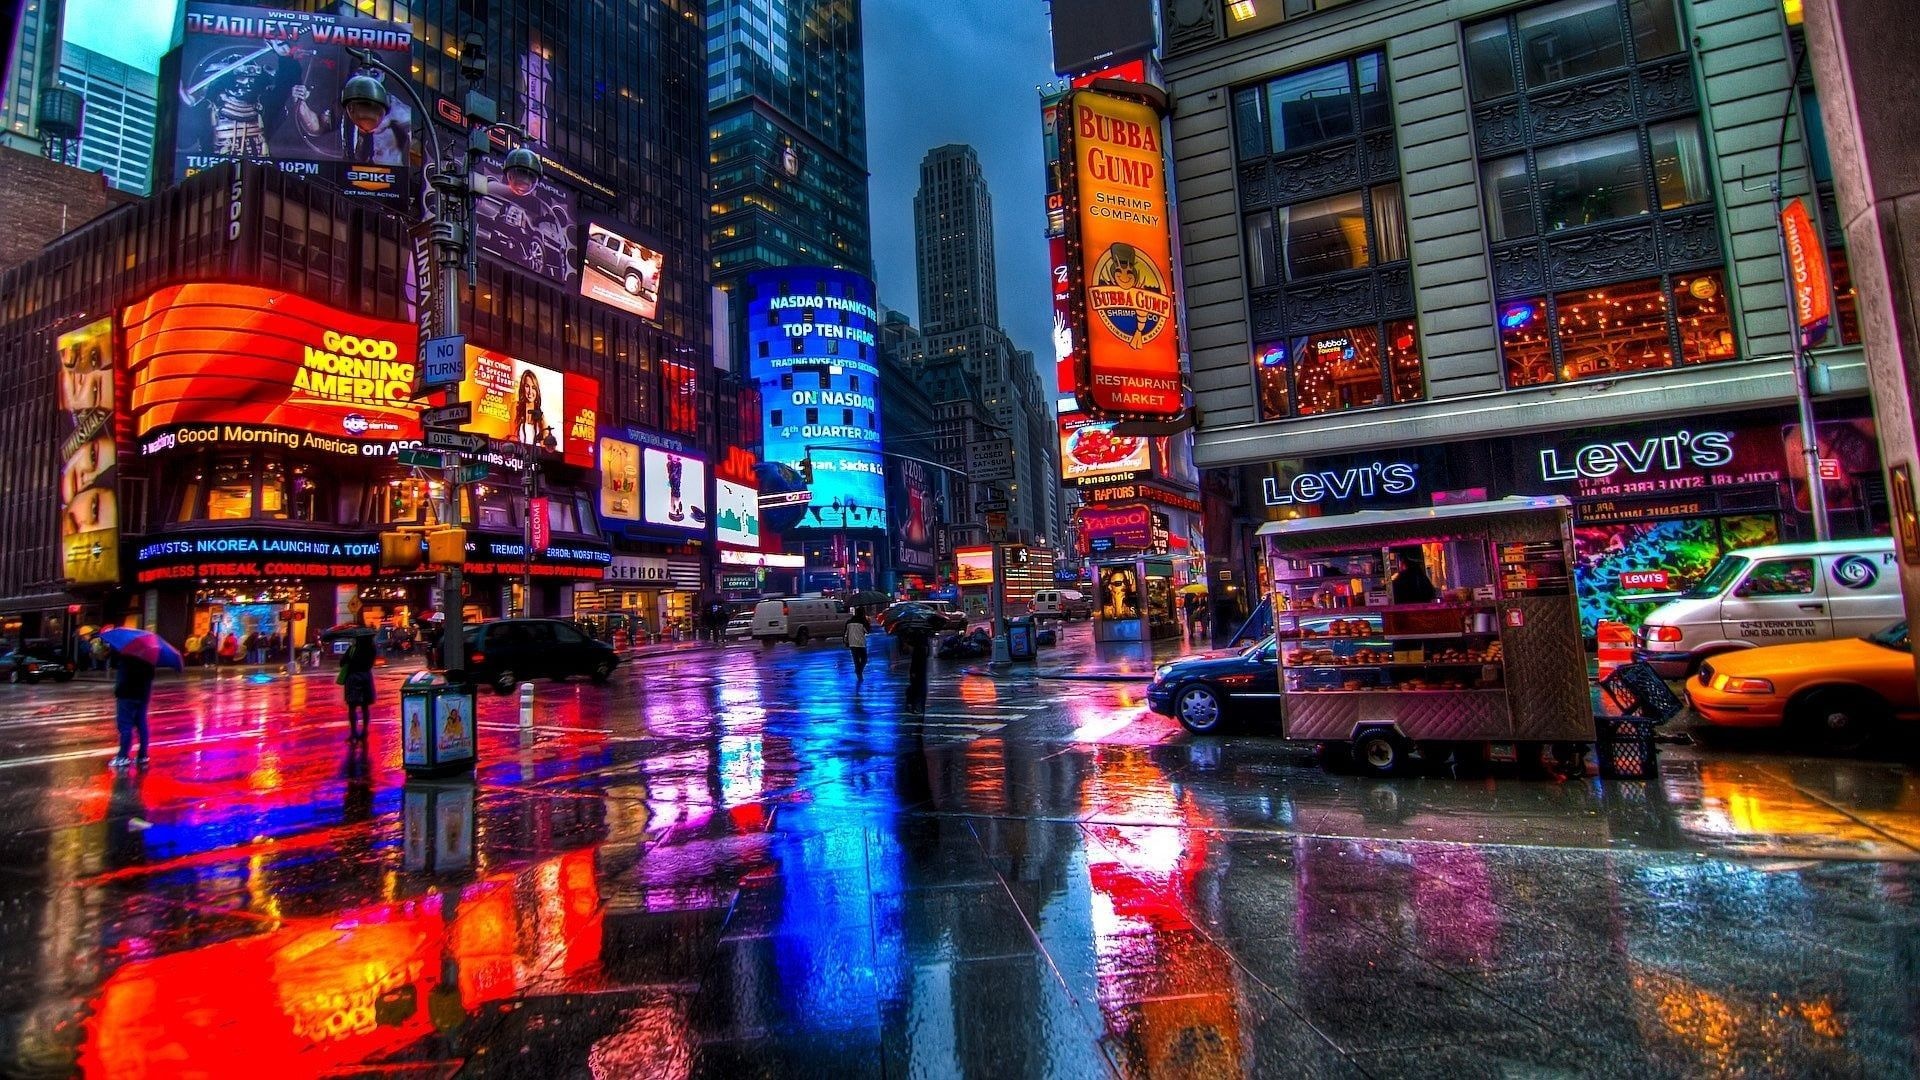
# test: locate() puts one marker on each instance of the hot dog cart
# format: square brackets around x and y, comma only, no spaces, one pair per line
[1442,629]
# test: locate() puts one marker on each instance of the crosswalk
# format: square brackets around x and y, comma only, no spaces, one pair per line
[947,718]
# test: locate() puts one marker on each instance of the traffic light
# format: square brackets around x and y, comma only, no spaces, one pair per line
[447,547]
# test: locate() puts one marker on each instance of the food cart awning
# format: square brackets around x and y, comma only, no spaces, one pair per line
[1512,504]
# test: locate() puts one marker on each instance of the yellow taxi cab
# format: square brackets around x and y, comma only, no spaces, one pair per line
[1836,693]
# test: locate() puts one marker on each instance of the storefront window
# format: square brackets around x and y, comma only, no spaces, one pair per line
[496,511]
[230,496]
[1339,370]
[273,488]
[1570,39]
[304,503]
[1403,362]
[1701,312]
[1525,342]
[1610,331]
[1334,372]
[1590,181]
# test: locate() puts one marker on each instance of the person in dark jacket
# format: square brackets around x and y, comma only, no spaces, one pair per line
[1411,585]
[356,679]
[919,649]
[132,689]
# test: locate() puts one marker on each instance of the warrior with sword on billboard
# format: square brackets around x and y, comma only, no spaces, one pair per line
[244,96]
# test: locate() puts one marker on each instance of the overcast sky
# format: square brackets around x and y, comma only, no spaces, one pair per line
[938,71]
[941,71]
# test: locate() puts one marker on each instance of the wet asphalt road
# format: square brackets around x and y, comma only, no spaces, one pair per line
[731,864]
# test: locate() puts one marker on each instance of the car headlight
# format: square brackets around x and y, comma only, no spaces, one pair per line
[1160,673]
[1737,684]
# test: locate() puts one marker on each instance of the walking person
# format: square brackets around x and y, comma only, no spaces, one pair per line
[356,680]
[132,690]
[857,645]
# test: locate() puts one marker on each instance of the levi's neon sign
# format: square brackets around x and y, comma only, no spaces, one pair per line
[1358,482]
[1662,453]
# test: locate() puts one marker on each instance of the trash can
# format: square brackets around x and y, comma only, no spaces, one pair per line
[1020,638]
[436,726]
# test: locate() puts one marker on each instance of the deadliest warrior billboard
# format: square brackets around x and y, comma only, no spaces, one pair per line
[218,364]
[1120,258]
[810,340]
[261,84]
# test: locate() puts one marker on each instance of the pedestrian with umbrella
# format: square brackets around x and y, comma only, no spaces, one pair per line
[136,654]
[356,680]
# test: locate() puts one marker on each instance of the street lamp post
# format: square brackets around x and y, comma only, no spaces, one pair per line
[366,101]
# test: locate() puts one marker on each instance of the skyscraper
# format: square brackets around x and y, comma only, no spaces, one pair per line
[953,242]
[118,139]
[788,136]
[953,227]
[33,60]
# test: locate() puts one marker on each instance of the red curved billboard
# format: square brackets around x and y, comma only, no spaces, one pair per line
[218,364]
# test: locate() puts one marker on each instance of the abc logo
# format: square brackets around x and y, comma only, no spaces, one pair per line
[355,424]
[1855,572]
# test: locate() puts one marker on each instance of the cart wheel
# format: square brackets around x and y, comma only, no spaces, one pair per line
[1379,752]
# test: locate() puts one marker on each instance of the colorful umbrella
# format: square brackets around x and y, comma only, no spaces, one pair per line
[143,645]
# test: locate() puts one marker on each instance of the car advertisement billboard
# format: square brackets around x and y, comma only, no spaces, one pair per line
[260,84]
[674,489]
[1092,453]
[736,514]
[621,272]
[514,401]
[218,364]
[810,342]
[534,231]
[90,512]
[1120,257]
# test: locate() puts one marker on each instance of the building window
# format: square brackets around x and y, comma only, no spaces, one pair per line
[1333,371]
[1570,39]
[1246,16]
[1318,105]
[230,496]
[1645,325]
[1324,236]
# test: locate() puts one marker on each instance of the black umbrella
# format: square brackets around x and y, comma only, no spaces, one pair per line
[869,598]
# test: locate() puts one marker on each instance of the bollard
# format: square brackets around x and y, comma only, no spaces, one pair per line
[526,706]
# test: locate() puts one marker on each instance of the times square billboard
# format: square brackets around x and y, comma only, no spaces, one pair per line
[812,349]
[261,84]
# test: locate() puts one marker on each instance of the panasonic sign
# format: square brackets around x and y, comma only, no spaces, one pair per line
[1358,482]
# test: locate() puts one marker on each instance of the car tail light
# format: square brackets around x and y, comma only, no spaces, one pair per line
[478,658]
[783,609]
[1664,634]
[1736,684]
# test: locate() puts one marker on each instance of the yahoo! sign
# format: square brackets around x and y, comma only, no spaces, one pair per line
[1367,481]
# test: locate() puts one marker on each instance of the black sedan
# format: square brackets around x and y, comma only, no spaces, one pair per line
[936,616]
[1206,692]
[504,652]
[38,659]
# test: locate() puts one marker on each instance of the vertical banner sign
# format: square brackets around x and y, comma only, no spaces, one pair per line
[89,508]
[537,525]
[1807,261]
[1120,257]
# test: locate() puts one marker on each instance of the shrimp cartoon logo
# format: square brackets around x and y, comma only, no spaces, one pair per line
[1130,295]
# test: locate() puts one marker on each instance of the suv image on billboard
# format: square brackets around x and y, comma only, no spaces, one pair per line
[635,267]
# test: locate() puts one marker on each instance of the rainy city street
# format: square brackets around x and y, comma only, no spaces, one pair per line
[733,863]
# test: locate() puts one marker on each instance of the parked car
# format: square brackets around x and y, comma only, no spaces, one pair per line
[1062,604]
[38,659]
[506,652]
[739,627]
[1204,693]
[1774,595]
[799,620]
[633,266]
[1835,694]
[940,616]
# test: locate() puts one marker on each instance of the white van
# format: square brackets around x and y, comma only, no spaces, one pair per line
[1061,604]
[1772,595]
[799,620]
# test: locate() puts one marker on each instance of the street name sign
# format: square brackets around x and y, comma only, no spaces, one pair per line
[462,441]
[470,474]
[420,459]
[443,361]
[448,416]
